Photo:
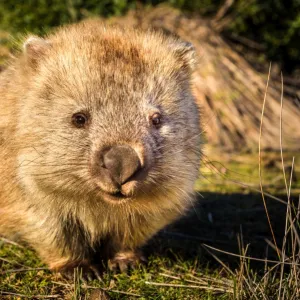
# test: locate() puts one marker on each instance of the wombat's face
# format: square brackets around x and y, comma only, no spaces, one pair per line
[110,116]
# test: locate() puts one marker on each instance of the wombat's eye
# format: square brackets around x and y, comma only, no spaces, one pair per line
[156,119]
[79,120]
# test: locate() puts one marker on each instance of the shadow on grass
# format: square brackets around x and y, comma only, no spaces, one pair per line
[228,222]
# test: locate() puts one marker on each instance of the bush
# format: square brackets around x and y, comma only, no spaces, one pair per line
[275,24]
[40,15]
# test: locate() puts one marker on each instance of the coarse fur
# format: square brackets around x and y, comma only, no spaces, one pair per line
[50,193]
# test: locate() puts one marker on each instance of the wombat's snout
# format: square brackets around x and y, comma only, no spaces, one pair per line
[118,165]
[122,162]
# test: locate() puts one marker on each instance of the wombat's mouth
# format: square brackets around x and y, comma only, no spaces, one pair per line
[116,197]
[119,195]
[126,191]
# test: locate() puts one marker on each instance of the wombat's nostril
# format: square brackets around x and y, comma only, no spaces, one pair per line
[122,162]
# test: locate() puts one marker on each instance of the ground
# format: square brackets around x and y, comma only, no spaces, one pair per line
[229,216]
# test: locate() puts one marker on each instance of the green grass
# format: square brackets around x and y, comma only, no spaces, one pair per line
[15,279]
[229,216]
[231,173]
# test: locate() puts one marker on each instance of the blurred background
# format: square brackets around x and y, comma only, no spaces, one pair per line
[269,27]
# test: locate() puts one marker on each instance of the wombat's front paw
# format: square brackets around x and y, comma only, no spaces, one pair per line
[85,269]
[126,260]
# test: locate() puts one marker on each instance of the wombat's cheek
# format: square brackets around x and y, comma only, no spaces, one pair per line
[25,172]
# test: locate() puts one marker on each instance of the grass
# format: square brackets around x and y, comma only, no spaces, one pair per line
[233,173]
[143,283]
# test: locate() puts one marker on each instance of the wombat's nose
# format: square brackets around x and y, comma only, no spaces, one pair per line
[122,162]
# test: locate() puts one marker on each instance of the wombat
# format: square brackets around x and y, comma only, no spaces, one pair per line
[100,142]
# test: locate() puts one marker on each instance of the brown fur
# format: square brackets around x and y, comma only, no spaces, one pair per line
[49,189]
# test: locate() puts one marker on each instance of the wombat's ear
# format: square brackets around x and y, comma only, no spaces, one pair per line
[186,52]
[34,48]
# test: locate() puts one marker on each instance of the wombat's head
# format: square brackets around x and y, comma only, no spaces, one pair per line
[108,113]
